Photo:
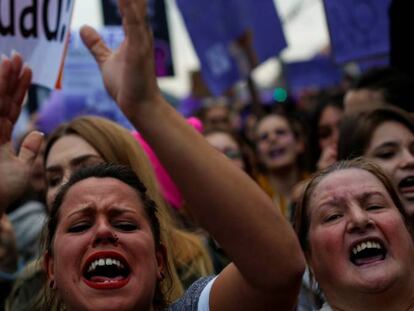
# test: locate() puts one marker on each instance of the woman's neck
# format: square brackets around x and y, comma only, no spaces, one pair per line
[283,180]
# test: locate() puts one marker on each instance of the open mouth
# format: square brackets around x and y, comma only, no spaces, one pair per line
[367,252]
[276,153]
[106,270]
[406,187]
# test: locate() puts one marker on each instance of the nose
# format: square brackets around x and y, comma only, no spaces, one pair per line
[359,220]
[104,234]
[407,159]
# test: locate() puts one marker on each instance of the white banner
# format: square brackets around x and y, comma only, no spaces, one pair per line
[38,29]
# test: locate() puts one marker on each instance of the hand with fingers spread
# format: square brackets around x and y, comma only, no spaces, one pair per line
[128,72]
[15,79]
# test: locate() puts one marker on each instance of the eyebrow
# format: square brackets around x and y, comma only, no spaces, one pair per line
[89,209]
[362,197]
[74,162]
[386,144]
[365,196]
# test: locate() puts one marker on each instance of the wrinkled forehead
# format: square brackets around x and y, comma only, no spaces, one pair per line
[345,184]
[101,194]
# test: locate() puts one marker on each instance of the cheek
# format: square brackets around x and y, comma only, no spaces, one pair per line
[325,245]
[389,167]
[288,140]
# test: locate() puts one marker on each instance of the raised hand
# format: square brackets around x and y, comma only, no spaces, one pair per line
[15,80]
[128,72]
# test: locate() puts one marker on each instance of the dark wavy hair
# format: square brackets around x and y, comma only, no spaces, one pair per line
[123,174]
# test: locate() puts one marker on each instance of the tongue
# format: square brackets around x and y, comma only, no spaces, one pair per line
[368,260]
[101,279]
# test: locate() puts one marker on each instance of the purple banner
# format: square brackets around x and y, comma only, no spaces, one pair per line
[158,20]
[232,37]
[206,24]
[317,73]
[358,28]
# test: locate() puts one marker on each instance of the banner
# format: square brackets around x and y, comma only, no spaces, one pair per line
[37,29]
[319,72]
[232,37]
[83,91]
[358,28]
[158,20]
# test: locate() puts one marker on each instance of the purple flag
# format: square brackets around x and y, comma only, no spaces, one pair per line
[317,73]
[218,30]
[206,25]
[358,28]
[268,37]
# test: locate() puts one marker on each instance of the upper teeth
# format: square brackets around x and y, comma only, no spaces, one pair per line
[105,262]
[364,245]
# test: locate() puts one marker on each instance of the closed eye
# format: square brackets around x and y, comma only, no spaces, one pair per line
[332,217]
[126,226]
[79,227]
[374,207]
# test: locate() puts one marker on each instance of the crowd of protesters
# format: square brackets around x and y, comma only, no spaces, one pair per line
[201,214]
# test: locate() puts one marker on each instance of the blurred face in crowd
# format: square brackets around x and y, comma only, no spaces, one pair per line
[392,147]
[103,253]
[224,143]
[363,99]
[218,117]
[67,154]
[358,241]
[277,146]
[328,126]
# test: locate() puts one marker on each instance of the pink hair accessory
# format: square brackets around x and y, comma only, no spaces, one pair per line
[169,190]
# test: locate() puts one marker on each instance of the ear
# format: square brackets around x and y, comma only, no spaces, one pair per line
[48,265]
[161,256]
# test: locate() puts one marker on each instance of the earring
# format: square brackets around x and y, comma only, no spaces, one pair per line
[52,284]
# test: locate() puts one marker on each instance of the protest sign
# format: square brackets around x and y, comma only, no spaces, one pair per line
[232,37]
[317,73]
[37,29]
[358,28]
[158,20]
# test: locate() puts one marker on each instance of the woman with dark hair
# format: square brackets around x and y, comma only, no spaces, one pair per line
[234,148]
[280,146]
[385,135]
[354,231]
[324,131]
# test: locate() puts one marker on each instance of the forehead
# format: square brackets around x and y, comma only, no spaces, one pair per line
[69,147]
[271,122]
[362,99]
[101,193]
[390,131]
[330,114]
[219,138]
[346,184]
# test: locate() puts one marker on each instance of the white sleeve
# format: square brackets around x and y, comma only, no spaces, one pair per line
[203,301]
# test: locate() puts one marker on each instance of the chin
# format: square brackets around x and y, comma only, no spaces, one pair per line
[378,280]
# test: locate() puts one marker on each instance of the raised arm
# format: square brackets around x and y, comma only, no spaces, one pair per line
[15,79]
[268,262]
